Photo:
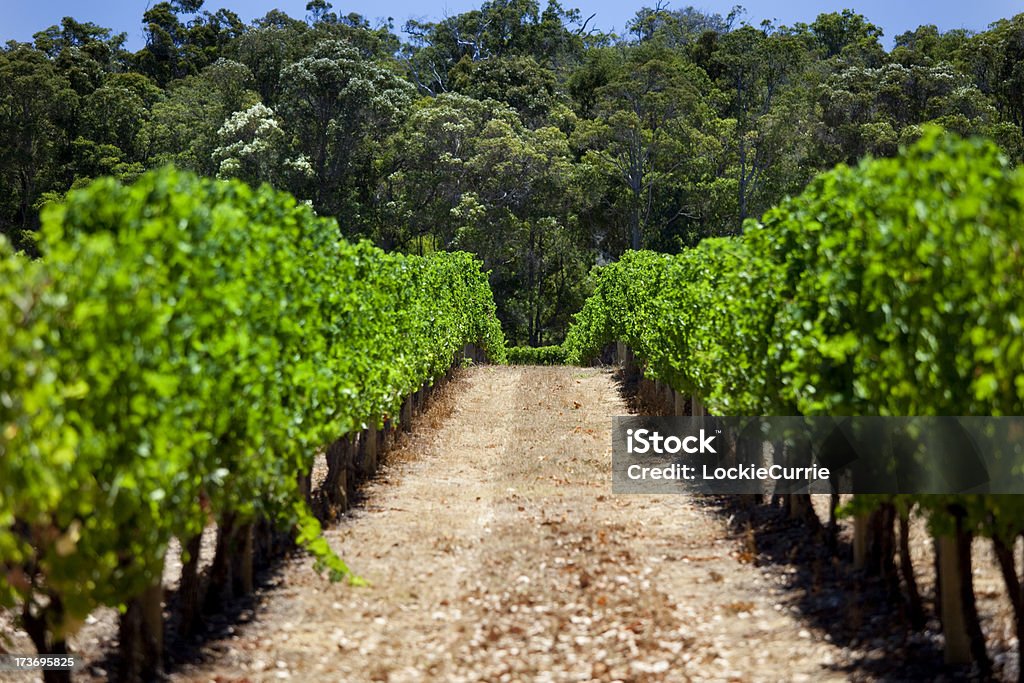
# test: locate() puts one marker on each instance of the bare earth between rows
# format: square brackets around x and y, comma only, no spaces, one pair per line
[495,551]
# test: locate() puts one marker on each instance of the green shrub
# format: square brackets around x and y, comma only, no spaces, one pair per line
[539,355]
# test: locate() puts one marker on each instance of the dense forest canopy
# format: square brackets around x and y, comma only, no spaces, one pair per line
[515,131]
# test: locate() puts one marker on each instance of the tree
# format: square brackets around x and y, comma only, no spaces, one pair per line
[34,99]
[175,49]
[183,127]
[640,134]
[467,174]
[518,215]
[427,161]
[873,111]
[755,69]
[162,59]
[254,148]
[112,119]
[926,46]
[995,60]
[518,81]
[499,29]
[678,28]
[850,36]
[274,42]
[341,106]
[84,52]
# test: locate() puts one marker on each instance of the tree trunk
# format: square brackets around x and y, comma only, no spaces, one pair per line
[37,626]
[960,625]
[743,180]
[219,591]
[972,622]
[189,598]
[1004,554]
[635,238]
[141,632]
[917,618]
[860,540]
[832,531]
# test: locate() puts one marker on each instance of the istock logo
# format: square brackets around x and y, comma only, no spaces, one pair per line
[645,441]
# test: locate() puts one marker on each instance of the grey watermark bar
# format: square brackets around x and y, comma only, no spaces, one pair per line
[887,455]
[9,662]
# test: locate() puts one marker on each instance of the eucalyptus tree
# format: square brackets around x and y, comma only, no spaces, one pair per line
[340,106]
[182,128]
[874,111]
[641,137]
[36,103]
[109,138]
[518,81]
[254,148]
[758,71]
[555,38]
[995,61]
[467,174]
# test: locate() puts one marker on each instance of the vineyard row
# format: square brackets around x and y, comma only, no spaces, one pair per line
[890,288]
[178,355]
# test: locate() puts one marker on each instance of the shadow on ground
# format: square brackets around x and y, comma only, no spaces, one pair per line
[857,612]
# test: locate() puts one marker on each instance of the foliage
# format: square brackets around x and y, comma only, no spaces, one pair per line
[180,350]
[539,355]
[677,130]
[891,288]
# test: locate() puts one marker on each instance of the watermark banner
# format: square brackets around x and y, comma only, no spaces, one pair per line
[910,455]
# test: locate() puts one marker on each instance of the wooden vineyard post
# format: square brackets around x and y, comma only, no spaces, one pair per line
[629,367]
[242,561]
[407,413]
[861,529]
[366,463]
[419,402]
[221,585]
[957,649]
[339,461]
[385,440]
[696,407]
[965,641]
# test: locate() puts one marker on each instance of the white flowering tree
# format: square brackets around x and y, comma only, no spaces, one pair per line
[254,148]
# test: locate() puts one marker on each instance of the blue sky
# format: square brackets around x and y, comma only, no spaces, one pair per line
[22,18]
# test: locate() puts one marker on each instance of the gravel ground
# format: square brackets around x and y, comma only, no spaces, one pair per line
[495,551]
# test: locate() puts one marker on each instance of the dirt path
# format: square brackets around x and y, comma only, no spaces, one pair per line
[495,551]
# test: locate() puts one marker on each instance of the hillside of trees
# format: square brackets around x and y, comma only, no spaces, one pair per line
[514,131]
